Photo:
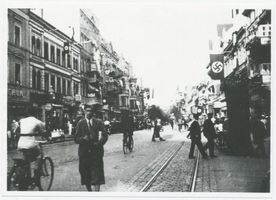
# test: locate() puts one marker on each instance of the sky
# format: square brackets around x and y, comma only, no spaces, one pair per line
[167,44]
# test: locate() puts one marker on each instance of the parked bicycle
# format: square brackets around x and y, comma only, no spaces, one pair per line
[128,144]
[19,177]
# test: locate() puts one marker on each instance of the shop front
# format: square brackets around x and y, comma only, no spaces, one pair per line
[237,99]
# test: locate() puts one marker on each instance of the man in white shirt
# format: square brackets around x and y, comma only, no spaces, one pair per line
[30,128]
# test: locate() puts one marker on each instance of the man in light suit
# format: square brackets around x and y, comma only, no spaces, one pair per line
[91,136]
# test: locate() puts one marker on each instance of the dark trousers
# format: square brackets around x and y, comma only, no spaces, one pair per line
[127,136]
[156,133]
[210,145]
[198,143]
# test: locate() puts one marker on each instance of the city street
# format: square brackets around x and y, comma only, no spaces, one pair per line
[104,70]
[130,172]
[120,169]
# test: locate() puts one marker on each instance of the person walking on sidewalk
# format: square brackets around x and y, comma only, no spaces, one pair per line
[91,136]
[210,133]
[156,130]
[195,136]
[259,133]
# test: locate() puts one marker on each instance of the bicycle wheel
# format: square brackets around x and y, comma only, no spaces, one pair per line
[16,179]
[131,144]
[46,174]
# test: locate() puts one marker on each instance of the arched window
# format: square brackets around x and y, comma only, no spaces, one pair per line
[34,79]
[33,44]
[38,80]
[38,47]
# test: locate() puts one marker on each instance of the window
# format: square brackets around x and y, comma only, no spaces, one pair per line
[68,61]
[69,88]
[58,85]
[33,44]
[17,35]
[76,88]
[58,56]
[34,78]
[63,59]
[124,101]
[46,81]
[132,104]
[38,47]
[38,80]
[76,64]
[17,74]
[53,82]
[46,50]
[63,86]
[52,53]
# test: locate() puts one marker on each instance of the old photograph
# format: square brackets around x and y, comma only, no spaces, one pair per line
[138,97]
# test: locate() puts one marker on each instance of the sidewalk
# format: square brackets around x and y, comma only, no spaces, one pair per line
[233,173]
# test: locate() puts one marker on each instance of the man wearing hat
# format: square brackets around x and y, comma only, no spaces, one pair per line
[91,136]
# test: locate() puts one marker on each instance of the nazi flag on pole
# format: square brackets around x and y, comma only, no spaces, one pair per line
[216,67]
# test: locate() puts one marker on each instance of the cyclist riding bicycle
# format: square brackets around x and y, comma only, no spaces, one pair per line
[30,129]
[127,126]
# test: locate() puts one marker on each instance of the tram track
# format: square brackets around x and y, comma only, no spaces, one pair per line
[192,184]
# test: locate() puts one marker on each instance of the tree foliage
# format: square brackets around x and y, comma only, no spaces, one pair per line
[156,112]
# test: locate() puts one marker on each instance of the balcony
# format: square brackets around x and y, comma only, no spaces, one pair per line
[94,77]
[91,100]
[112,87]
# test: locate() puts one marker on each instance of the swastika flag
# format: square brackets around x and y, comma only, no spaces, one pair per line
[216,67]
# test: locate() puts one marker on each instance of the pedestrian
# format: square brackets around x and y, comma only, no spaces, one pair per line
[172,123]
[91,137]
[156,130]
[14,133]
[259,133]
[180,123]
[210,133]
[195,136]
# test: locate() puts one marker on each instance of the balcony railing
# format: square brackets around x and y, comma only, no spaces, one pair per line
[91,100]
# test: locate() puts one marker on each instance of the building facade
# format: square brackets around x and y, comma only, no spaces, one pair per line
[55,76]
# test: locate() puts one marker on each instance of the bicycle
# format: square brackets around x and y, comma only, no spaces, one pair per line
[19,177]
[128,144]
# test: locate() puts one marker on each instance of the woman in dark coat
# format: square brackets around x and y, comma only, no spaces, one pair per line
[91,136]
